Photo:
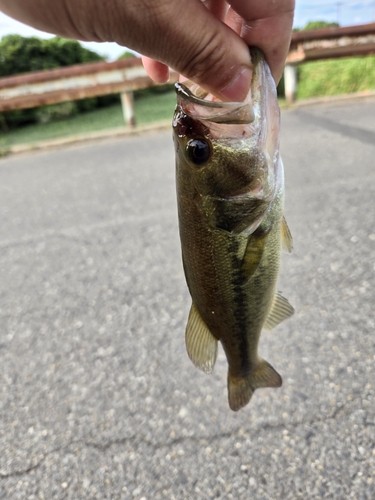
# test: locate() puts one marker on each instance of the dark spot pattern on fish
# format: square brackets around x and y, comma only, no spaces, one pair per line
[240,304]
[236,215]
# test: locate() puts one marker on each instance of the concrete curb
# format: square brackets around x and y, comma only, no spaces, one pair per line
[163,125]
[89,137]
[329,99]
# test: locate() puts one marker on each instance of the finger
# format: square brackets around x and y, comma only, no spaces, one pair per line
[234,21]
[267,25]
[159,72]
[272,36]
[192,41]
[188,38]
[156,70]
[218,8]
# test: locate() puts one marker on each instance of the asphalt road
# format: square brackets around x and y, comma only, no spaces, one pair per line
[98,399]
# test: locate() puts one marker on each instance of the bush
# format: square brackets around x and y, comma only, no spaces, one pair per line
[54,112]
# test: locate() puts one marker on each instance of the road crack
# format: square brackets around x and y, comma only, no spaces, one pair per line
[136,440]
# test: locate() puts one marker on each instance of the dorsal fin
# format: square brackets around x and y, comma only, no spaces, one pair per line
[201,345]
[280,310]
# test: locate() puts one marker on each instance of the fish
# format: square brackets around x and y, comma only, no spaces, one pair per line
[230,198]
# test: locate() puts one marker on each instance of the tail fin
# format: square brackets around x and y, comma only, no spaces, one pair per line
[240,390]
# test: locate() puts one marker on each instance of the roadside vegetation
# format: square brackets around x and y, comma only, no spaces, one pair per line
[20,55]
[149,108]
[336,76]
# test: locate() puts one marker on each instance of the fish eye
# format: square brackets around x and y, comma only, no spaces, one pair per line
[198,151]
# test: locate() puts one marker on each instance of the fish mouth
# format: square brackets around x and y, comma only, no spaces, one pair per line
[200,105]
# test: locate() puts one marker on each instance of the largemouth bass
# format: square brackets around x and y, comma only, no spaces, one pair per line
[230,191]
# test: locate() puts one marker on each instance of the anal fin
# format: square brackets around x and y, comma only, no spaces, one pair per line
[241,389]
[280,310]
[201,345]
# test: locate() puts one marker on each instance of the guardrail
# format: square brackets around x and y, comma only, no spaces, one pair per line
[124,76]
[77,82]
[326,43]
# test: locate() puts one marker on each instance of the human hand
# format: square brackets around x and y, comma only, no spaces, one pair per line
[266,24]
[202,40]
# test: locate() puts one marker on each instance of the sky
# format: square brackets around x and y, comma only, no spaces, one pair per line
[345,12]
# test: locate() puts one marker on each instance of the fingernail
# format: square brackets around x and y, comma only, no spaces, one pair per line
[238,88]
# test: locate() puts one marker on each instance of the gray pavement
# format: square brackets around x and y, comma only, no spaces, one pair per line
[98,399]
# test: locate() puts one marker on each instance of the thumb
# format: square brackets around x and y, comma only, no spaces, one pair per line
[193,42]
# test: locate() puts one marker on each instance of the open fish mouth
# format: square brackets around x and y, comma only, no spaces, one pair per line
[200,105]
[245,135]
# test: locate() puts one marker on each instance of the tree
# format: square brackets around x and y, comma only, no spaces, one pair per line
[316,25]
[126,55]
[22,55]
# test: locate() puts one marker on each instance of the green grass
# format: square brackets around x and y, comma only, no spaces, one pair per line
[156,107]
[336,76]
[148,109]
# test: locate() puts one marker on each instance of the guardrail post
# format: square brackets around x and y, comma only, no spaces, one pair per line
[290,82]
[127,101]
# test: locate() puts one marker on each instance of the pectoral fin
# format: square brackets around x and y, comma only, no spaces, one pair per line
[286,237]
[201,345]
[280,310]
[253,253]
